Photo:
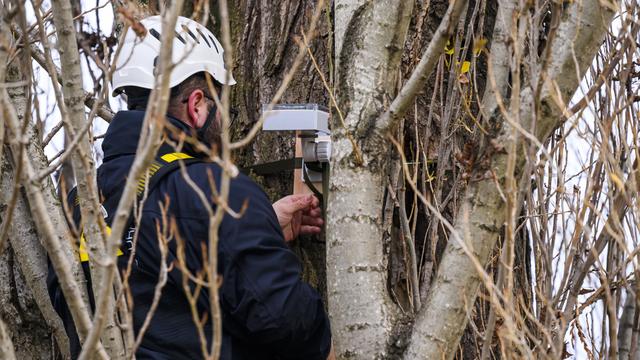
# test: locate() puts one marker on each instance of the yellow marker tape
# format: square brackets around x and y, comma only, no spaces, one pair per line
[142,181]
[447,49]
[466,65]
[479,45]
[175,156]
[153,168]
[82,250]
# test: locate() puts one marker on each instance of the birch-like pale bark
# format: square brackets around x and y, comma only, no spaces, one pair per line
[496,90]
[369,40]
[626,330]
[32,260]
[153,125]
[43,204]
[93,225]
[6,346]
[225,185]
[444,317]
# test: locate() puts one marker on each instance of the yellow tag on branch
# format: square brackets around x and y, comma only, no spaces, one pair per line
[466,65]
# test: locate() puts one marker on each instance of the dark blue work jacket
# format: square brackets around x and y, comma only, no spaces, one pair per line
[268,312]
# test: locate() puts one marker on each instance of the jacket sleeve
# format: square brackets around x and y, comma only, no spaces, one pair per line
[262,293]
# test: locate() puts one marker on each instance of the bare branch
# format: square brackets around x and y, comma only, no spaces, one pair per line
[68,151]
[582,267]
[625,332]
[225,185]
[103,111]
[408,239]
[425,67]
[437,333]
[59,250]
[152,125]
[93,225]
[163,235]
[44,207]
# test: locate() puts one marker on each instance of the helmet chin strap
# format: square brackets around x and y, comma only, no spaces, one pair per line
[202,132]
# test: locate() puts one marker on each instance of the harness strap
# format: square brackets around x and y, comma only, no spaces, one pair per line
[162,167]
[158,170]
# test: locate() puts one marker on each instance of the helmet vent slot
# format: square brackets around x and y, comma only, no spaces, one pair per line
[155,34]
[185,28]
[180,38]
[203,37]
[214,44]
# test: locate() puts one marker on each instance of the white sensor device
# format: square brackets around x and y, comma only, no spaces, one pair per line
[307,118]
[312,120]
[312,123]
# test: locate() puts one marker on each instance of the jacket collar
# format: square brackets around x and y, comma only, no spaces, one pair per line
[123,135]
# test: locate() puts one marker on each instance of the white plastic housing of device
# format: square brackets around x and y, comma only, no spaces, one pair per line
[292,117]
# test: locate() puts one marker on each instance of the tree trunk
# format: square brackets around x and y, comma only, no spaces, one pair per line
[359,243]
[459,217]
[23,266]
[92,226]
[264,39]
[369,40]
[26,256]
[440,325]
[27,230]
[627,350]
[31,336]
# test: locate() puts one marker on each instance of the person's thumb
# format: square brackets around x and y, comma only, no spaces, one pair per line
[301,202]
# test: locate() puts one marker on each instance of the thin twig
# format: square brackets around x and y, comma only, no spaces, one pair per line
[103,112]
[285,81]
[154,119]
[424,69]
[408,239]
[359,160]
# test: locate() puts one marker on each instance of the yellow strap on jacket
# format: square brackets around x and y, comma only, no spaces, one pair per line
[142,183]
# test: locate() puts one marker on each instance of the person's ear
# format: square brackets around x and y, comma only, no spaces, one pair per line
[196,109]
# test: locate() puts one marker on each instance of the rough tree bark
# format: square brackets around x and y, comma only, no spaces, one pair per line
[369,41]
[26,306]
[6,346]
[264,43]
[256,28]
[439,326]
[25,325]
[30,318]
[73,114]
[23,292]
[51,228]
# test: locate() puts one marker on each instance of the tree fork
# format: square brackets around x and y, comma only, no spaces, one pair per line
[356,259]
[439,326]
[93,226]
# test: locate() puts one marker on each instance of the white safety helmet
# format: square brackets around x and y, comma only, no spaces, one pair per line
[195,50]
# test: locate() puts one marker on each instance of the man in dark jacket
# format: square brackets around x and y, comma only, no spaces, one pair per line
[267,311]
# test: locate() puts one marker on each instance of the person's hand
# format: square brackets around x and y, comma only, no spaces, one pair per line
[332,354]
[298,214]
